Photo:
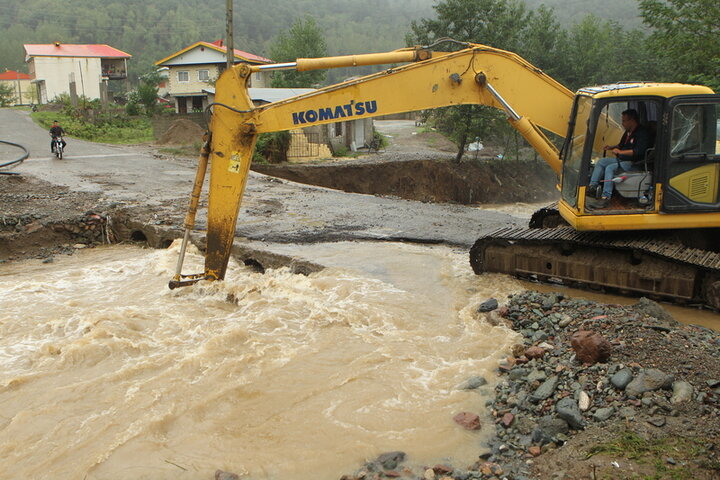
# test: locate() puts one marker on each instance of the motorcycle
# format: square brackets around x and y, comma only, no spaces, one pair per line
[57,144]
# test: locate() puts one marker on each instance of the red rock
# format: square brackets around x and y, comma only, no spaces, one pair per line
[522,360]
[392,474]
[468,420]
[222,475]
[534,352]
[599,317]
[508,419]
[443,469]
[590,347]
[534,451]
[503,311]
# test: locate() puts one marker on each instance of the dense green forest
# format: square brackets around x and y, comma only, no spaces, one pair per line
[151,29]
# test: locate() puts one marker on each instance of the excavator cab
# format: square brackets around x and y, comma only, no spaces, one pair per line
[678,173]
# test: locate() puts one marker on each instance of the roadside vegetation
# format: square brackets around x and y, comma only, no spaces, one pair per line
[104,126]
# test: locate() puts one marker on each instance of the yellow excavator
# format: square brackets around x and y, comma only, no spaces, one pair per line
[658,236]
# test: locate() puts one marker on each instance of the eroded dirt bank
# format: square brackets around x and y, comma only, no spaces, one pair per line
[438,180]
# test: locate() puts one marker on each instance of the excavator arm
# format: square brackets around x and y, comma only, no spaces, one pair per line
[475,75]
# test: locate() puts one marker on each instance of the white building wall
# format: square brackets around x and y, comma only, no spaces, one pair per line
[56,72]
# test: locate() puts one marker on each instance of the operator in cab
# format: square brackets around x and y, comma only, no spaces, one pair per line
[631,150]
[56,131]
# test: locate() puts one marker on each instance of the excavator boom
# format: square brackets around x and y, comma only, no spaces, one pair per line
[475,75]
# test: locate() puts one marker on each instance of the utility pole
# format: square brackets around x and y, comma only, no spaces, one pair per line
[229,35]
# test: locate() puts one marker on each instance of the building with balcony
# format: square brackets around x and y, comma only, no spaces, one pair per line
[82,70]
[197,66]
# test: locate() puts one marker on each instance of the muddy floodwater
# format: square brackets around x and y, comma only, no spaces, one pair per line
[107,374]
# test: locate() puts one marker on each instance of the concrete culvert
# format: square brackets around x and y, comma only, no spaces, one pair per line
[138,236]
[257,266]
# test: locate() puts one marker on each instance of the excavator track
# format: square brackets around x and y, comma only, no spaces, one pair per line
[649,263]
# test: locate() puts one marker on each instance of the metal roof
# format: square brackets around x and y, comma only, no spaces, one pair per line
[12,75]
[72,50]
[270,94]
[218,46]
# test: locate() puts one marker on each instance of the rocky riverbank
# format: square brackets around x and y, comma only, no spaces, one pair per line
[593,391]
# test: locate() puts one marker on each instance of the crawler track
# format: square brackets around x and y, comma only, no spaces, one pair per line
[649,263]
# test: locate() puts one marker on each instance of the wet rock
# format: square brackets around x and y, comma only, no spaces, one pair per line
[648,381]
[657,421]
[390,460]
[567,409]
[468,420]
[583,401]
[622,378]
[488,305]
[545,390]
[443,469]
[590,347]
[602,414]
[472,383]
[536,376]
[553,426]
[507,420]
[713,383]
[534,352]
[222,475]
[565,321]
[534,451]
[682,392]
[653,309]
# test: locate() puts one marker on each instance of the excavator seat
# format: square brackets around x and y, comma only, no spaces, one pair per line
[637,182]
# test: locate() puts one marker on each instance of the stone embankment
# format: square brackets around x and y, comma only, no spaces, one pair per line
[583,367]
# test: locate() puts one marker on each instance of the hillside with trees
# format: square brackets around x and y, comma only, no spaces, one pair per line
[152,29]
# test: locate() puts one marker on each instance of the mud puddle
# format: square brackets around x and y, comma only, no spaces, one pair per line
[108,374]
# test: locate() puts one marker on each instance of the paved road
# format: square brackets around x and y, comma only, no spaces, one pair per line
[273,210]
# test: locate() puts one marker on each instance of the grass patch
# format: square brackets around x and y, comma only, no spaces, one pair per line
[688,454]
[105,128]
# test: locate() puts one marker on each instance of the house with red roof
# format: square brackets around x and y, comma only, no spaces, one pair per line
[195,67]
[20,83]
[85,70]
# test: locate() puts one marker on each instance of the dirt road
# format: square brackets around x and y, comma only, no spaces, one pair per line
[155,189]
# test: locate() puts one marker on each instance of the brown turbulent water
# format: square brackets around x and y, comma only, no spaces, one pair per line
[107,374]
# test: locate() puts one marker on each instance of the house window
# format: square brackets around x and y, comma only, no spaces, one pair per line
[183,76]
[203,75]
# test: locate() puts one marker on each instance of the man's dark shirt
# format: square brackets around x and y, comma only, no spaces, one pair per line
[57,131]
[638,141]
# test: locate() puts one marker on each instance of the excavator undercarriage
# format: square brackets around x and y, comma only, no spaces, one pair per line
[651,263]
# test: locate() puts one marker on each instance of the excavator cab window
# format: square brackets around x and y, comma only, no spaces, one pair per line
[693,171]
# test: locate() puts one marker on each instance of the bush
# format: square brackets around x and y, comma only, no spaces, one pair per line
[272,147]
[106,127]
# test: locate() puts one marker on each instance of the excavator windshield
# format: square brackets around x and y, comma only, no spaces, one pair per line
[575,148]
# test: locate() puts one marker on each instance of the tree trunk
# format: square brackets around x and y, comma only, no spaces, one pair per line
[461,147]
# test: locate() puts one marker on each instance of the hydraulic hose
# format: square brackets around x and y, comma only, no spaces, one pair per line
[17,161]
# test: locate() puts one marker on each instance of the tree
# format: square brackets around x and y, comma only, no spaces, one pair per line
[7,94]
[687,32]
[499,23]
[304,40]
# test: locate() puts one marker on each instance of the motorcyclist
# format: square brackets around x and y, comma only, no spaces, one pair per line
[56,131]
